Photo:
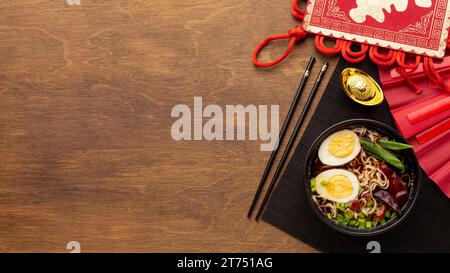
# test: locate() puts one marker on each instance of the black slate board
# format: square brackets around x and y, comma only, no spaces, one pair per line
[426,229]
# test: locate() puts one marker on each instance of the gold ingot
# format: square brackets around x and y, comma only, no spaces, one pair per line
[361,87]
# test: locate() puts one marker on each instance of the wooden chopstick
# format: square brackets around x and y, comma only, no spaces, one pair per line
[293,136]
[282,133]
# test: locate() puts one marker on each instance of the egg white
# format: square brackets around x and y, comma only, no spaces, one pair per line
[326,175]
[328,159]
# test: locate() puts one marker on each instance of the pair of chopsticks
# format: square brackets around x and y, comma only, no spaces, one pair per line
[283,132]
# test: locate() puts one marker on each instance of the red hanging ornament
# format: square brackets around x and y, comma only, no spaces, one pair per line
[395,25]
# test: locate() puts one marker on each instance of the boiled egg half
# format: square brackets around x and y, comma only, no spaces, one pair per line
[339,148]
[337,185]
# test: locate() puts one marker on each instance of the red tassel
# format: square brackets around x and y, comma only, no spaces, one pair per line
[353,56]
[382,59]
[321,47]
[401,56]
[433,74]
[408,80]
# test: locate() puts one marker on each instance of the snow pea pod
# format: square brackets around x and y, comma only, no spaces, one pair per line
[393,145]
[383,154]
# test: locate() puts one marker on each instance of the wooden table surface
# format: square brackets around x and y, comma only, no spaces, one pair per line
[86,93]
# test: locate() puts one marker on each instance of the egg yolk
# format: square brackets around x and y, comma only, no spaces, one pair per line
[339,186]
[341,145]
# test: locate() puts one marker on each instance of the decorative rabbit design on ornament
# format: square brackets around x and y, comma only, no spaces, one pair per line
[375,9]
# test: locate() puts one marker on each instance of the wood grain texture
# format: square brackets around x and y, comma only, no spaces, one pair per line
[85,99]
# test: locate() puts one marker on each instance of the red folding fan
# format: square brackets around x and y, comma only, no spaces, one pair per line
[424,120]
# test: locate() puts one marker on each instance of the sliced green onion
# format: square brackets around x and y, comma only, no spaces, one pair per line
[383,221]
[313,183]
[341,207]
[348,215]
[388,214]
[324,182]
[368,224]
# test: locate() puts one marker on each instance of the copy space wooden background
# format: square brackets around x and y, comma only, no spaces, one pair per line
[85,146]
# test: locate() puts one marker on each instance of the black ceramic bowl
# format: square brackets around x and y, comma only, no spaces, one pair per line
[411,164]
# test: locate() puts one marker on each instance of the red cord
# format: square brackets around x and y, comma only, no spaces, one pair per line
[297,12]
[433,74]
[295,35]
[321,47]
[353,56]
[427,69]
[383,57]
[401,61]
[402,71]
